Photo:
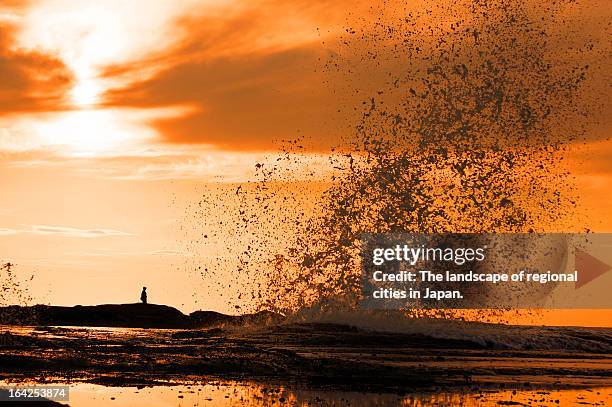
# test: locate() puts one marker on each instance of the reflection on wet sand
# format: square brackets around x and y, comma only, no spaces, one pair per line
[231,393]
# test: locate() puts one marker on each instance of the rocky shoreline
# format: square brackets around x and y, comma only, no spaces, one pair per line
[125,316]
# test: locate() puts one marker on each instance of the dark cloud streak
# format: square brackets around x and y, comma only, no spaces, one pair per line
[30,81]
[245,102]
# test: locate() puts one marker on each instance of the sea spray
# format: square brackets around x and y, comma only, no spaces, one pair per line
[14,289]
[467,134]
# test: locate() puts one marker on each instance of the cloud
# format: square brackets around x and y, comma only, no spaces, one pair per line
[248,74]
[63,231]
[8,232]
[200,163]
[74,232]
[30,80]
[253,76]
[250,102]
[243,71]
[114,253]
[170,253]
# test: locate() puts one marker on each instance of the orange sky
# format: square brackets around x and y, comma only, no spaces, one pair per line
[115,116]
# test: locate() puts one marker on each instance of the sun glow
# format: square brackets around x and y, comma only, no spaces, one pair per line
[86,93]
[88,37]
[92,132]
[87,131]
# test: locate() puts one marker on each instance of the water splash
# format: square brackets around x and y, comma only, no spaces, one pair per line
[467,134]
[13,289]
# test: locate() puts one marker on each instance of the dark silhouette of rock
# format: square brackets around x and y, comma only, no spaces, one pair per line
[212,318]
[138,315]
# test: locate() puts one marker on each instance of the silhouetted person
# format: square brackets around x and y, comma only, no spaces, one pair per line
[143,295]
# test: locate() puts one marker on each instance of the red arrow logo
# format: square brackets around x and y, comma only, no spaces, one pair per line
[589,268]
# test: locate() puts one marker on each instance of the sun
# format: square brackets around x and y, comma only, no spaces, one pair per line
[85,93]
